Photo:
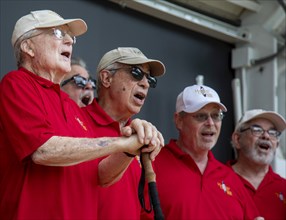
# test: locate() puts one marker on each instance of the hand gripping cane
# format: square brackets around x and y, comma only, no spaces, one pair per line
[149,174]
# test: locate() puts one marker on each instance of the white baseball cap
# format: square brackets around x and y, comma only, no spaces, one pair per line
[193,98]
[132,56]
[275,118]
[46,19]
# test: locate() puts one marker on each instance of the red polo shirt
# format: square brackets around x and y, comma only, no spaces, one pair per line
[270,196]
[32,110]
[119,201]
[187,194]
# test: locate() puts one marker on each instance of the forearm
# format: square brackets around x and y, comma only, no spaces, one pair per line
[111,169]
[66,151]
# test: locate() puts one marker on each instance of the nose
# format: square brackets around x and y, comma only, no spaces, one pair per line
[265,135]
[68,39]
[88,86]
[210,121]
[144,82]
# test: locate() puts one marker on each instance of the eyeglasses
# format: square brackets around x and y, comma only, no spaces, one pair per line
[201,117]
[58,33]
[80,81]
[258,131]
[138,75]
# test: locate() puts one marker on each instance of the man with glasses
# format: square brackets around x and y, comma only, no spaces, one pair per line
[78,84]
[49,167]
[255,140]
[191,183]
[124,76]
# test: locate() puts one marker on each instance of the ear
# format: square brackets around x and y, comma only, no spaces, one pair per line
[178,121]
[26,47]
[235,139]
[105,78]
[278,143]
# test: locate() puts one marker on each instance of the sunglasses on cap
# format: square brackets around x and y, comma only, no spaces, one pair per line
[80,81]
[138,75]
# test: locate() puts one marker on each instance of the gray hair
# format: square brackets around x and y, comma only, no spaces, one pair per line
[109,68]
[78,61]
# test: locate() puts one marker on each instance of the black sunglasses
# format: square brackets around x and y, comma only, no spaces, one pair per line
[80,81]
[138,75]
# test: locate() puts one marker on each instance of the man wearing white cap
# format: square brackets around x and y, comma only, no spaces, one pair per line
[255,139]
[191,183]
[124,76]
[48,160]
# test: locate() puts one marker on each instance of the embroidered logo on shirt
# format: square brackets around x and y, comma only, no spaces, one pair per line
[281,197]
[81,123]
[225,188]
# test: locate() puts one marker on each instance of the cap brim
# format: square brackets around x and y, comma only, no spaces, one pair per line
[77,26]
[202,104]
[277,120]
[157,68]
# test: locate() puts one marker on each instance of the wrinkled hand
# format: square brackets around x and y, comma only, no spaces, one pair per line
[147,134]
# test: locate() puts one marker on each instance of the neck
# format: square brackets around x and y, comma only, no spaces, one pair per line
[53,77]
[250,171]
[199,157]
[115,115]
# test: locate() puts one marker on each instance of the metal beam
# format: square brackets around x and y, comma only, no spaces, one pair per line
[188,19]
[247,4]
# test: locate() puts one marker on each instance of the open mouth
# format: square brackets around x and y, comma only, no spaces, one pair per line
[209,133]
[86,100]
[140,96]
[66,54]
[264,146]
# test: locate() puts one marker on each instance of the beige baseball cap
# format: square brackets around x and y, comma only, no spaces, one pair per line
[132,56]
[275,118]
[45,19]
[195,97]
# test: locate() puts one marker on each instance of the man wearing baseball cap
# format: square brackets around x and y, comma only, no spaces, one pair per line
[46,19]
[124,76]
[255,140]
[191,183]
[49,167]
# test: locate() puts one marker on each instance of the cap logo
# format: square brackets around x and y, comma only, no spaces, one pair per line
[203,92]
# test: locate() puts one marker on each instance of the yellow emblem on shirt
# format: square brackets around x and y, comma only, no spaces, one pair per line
[281,197]
[81,123]
[225,188]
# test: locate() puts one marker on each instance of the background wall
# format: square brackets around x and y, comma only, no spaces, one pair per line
[185,54]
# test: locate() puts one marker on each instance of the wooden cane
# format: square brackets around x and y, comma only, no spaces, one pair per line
[152,186]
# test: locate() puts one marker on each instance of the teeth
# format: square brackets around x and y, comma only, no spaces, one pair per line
[264,146]
[140,96]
